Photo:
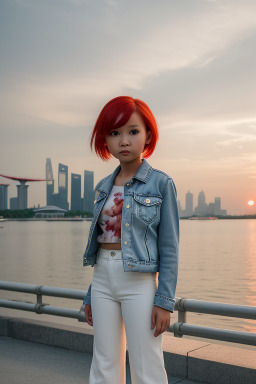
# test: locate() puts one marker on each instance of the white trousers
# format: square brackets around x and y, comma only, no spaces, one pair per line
[122,304]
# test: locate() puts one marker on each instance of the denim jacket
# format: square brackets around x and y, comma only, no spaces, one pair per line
[149,229]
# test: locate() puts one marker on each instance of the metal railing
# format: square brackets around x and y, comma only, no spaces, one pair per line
[182,305]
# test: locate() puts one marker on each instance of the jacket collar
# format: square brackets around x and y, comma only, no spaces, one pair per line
[141,174]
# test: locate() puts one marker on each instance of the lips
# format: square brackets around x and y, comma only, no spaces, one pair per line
[125,152]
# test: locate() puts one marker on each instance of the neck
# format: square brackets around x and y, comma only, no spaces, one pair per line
[129,169]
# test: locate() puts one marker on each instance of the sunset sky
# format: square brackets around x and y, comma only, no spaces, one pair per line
[192,61]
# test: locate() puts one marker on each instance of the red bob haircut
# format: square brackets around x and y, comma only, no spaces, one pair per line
[114,115]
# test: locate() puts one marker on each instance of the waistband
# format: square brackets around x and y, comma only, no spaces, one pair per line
[110,254]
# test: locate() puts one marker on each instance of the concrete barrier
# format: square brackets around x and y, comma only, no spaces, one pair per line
[195,360]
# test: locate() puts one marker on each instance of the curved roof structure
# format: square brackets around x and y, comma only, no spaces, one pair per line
[21,179]
[49,208]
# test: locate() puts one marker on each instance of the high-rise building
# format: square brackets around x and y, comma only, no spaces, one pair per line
[217,203]
[63,186]
[189,204]
[210,209]
[3,196]
[55,200]
[49,182]
[14,203]
[88,191]
[200,210]
[22,196]
[75,192]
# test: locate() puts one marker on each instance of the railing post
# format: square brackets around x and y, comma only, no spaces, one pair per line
[182,313]
[39,303]
[182,317]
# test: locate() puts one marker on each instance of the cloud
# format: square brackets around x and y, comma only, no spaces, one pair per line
[192,61]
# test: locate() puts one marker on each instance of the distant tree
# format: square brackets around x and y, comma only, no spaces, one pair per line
[78,213]
[17,213]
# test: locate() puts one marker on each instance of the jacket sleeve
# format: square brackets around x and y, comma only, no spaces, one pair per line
[168,248]
[87,298]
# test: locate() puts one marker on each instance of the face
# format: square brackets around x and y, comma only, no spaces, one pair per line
[127,142]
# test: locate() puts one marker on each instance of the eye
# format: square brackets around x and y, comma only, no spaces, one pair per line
[113,133]
[135,131]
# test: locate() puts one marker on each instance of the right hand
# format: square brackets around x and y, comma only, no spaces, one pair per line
[88,314]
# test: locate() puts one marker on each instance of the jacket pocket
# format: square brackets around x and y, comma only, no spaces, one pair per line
[147,207]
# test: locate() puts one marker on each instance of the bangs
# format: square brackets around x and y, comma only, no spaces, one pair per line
[117,113]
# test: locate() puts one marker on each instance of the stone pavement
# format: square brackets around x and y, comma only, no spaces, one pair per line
[25,362]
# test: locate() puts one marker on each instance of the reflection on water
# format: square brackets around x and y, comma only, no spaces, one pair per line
[217,263]
[250,272]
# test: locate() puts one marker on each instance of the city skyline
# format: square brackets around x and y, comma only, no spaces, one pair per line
[61,198]
[202,208]
[192,62]
[76,182]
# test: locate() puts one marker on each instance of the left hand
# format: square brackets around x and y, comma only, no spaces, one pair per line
[160,319]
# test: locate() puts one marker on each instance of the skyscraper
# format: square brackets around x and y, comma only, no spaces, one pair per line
[63,186]
[14,203]
[75,192]
[88,191]
[49,182]
[200,210]
[22,195]
[217,203]
[189,204]
[3,195]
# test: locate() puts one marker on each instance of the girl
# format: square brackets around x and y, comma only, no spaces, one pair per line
[134,237]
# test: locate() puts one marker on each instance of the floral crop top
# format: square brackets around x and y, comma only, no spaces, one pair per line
[111,216]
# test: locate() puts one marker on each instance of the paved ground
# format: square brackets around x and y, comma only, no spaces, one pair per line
[24,362]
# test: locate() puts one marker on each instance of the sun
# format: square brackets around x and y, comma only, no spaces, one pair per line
[251,202]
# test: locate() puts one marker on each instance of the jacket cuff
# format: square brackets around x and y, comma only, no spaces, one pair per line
[87,299]
[164,302]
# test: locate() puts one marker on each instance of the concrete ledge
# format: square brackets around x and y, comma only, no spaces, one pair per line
[48,333]
[226,365]
[185,358]
[176,352]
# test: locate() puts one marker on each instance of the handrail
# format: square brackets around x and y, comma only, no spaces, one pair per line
[182,305]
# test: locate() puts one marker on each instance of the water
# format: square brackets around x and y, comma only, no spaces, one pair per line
[217,263]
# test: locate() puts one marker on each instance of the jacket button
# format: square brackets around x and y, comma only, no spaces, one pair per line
[125,242]
[129,265]
[147,200]
[128,184]
[127,225]
[128,206]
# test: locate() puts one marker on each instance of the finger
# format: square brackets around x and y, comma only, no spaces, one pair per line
[88,316]
[157,332]
[89,321]
[158,328]
[161,327]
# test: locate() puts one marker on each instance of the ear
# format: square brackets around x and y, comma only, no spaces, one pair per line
[149,137]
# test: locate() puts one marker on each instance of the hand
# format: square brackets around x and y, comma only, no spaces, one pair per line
[88,314]
[160,319]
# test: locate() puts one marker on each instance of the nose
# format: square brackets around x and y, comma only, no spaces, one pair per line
[124,140]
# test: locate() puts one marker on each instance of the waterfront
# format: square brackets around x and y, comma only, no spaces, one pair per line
[217,263]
